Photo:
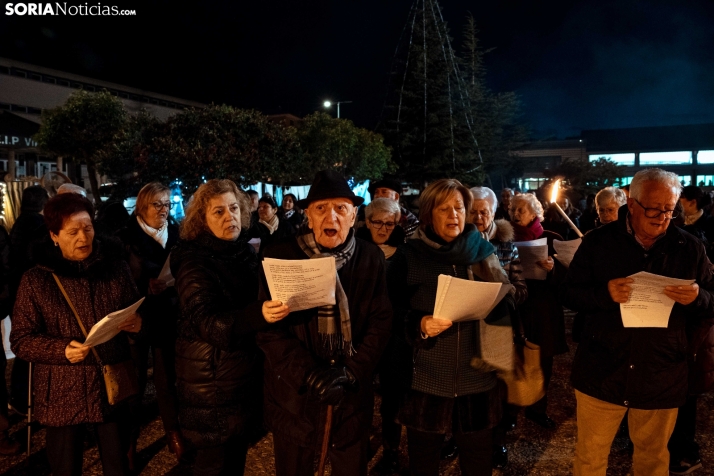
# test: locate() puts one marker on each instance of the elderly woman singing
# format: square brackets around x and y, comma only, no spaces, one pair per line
[446,393]
[69,387]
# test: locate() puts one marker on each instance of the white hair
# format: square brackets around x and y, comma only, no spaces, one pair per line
[610,193]
[386,205]
[529,200]
[71,188]
[668,179]
[485,193]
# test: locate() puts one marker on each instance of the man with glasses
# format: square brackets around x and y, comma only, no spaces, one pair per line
[640,369]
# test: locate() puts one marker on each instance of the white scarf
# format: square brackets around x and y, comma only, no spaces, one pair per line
[692,219]
[272,224]
[161,235]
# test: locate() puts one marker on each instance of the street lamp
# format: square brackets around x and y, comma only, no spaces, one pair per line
[328,104]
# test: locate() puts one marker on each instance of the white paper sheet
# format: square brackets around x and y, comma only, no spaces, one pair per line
[566,250]
[165,274]
[648,306]
[466,300]
[301,284]
[530,252]
[108,327]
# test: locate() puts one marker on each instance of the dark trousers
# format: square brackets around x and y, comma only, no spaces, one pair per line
[541,406]
[294,460]
[19,381]
[226,459]
[65,447]
[475,452]
[391,394]
[4,419]
[164,381]
[681,443]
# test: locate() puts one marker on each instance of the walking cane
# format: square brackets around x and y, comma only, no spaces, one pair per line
[325,441]
[29,412]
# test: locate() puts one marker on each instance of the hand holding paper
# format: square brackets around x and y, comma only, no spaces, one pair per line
[464,300]
[531,252]
[682,294]
[301,284]
[649,304]
[110,326]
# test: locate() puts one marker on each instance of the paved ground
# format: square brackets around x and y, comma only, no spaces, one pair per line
[533,451]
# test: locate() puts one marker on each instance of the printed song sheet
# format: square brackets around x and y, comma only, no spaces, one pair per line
[301,284]
[466,300]
[165,274]
[530,252]
[648,306]
[108,327]
[566,250]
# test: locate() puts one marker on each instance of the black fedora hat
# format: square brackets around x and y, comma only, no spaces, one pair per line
[389,182]
[329,184]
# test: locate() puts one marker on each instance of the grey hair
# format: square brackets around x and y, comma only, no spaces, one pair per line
[668,179]
[383,205]
[485,193]
[610,193]
[530,200]
[71,188]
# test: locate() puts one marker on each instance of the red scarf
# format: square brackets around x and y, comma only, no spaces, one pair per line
[527,233]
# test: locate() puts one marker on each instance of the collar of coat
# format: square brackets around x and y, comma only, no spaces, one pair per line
[105,252]
[500,230]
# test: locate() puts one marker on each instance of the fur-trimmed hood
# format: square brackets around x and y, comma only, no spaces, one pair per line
[501,230]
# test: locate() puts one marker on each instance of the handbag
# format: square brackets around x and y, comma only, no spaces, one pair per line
[120,380]
[525,383]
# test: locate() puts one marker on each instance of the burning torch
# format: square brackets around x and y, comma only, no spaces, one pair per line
[554,200]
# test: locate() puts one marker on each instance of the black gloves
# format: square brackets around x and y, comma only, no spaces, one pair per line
[328,384]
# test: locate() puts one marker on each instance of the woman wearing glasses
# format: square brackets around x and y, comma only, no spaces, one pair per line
[148,239]
[382,229]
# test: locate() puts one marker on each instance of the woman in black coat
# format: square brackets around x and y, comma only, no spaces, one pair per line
[541,313]
[447,392]
[271,228]
[218,365]
[289,211]
[148,238]
[696,220]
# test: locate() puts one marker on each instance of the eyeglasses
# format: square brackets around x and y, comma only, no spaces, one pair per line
[379,224]
[656,212]
[161,205]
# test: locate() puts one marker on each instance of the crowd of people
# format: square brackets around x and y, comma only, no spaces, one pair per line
[230,363]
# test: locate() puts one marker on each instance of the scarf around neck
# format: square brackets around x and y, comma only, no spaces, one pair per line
[692,219]
[529,232]
[332,340]
[272,225]
[160,235]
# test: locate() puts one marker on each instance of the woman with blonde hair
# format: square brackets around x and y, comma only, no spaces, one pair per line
[148,238]
[218,365]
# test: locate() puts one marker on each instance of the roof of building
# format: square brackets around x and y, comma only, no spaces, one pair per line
[643,139]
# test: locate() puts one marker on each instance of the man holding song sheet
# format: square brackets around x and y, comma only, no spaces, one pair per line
[617,366]
[319,361]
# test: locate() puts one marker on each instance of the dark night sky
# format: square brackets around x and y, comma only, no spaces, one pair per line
[576,65]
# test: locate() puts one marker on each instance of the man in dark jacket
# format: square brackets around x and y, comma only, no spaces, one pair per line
[641,369]
[390,188]
[323,358]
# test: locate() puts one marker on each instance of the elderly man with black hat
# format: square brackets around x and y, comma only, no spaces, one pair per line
[390,188]
[326,356]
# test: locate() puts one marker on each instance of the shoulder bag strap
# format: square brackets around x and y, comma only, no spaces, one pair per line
[76,315]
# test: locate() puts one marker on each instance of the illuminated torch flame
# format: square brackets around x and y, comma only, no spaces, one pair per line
[554,191]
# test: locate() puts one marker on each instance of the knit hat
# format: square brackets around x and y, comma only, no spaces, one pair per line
[329,184]
[386,182]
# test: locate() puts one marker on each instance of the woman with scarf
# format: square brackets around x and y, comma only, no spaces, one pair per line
[446,393]
[69,388]
[271,228]
[218,365]
[148,239]
[321,360]
[542,313]
[382,226]
[290,212]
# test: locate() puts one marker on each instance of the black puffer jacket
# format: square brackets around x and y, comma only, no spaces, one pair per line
[146,258]
[642,368]
[218,366]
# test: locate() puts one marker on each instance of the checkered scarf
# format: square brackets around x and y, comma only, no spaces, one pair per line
[332,338]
